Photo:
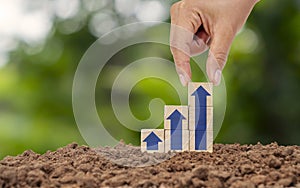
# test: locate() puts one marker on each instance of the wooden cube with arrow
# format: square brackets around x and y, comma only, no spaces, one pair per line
[152,140]
[176,117]
[200,94]
[177,140]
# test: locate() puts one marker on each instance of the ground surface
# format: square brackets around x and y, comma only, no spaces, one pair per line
[229,166]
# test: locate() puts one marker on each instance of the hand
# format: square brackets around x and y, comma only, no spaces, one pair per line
[197,24]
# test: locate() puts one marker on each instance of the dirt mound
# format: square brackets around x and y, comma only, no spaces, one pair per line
[128,155]
[229,166]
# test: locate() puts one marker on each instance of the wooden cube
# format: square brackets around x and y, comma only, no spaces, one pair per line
[200,94]
[201,119]
[176,117]
[201,141]
[152,140]
[177,140]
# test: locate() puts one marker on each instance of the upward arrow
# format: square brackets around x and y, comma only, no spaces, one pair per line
[200,97]
[176,130]
[200,118]
[176,120]
[152,141]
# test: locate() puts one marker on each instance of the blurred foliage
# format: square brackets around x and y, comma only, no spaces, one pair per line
[262,76]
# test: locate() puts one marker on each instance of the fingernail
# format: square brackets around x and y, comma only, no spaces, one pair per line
[214,72]
[183,77]
[217,77]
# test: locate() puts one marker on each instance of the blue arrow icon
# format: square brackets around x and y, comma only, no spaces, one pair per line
[152,141]
[200,108]
[176,130]
[200,118]
[176,120]
[200,97]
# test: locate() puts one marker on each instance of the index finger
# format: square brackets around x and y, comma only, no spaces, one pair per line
[181,38]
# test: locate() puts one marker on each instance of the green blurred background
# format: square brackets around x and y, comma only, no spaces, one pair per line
[43,41]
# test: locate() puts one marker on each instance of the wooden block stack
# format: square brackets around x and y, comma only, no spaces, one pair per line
[176,128]
[152,140]
[185,127]
[200,116]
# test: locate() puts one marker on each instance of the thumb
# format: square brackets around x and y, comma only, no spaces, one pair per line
[217,56]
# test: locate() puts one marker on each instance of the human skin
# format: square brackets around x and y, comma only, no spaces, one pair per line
[198,24]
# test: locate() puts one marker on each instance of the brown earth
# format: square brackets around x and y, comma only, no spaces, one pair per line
[231,165]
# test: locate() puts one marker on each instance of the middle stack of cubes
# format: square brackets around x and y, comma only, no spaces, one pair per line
[176,128]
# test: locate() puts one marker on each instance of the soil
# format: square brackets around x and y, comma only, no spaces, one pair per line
[230,165]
